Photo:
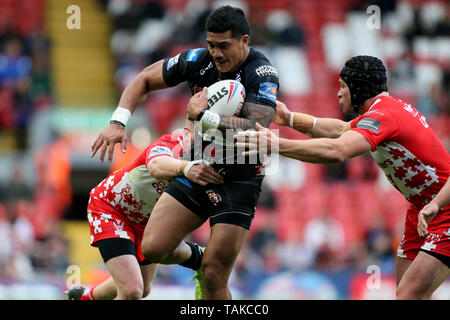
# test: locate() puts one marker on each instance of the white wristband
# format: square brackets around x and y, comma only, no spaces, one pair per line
[209,120]
[193,163]
[291,121]
[122,115]
[315,122]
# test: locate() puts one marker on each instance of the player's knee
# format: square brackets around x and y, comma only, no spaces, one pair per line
[134,295]
[214,275]
[131,292]
[152,250]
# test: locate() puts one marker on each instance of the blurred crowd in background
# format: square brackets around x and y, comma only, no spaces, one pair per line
[310,217]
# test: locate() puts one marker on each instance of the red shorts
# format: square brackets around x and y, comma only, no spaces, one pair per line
[105,223]
[437,240]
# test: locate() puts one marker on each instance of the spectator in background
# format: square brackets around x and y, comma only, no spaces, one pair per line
[442,27]
[433,101]
[50,253]
[40,89]
[53,193]
[261,35]
[284,28]
[324,236]
[17,189]
[402,73]
[379,246]
[14,65]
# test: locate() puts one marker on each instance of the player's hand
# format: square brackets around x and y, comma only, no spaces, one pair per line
[204,174]
[107,139]
[262,142]
[425,216]
[197,103]
[282,114]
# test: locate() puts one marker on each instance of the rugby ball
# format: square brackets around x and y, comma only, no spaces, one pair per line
[225,98]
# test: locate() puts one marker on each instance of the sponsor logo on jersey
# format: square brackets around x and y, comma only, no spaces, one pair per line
[268,91]
[158,150]
[193,54]
[202,71]
[369,124]
[172,61]
[266,70]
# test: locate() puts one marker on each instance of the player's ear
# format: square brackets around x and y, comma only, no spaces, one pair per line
[245,39]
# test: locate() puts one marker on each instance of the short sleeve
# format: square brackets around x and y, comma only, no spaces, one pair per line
[164,146]
[178,68]
[376,126]
[262,84]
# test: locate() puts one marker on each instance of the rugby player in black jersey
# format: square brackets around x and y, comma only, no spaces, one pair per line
[185,206]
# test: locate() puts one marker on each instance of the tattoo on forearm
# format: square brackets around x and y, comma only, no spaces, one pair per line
[250,114]
[236,123]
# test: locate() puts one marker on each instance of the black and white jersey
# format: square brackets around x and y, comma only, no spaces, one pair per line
[197,68]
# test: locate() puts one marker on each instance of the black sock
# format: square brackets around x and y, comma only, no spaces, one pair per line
[195,261]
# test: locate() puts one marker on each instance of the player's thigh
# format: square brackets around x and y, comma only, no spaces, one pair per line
[169,223]
[425,274]
[401,265]
[224,245]
[126,272]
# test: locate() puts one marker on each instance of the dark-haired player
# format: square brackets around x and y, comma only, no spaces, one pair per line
[403,145]
[186,206]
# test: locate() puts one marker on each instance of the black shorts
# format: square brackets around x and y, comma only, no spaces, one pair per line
[444,259]
[233,202]
[115,247]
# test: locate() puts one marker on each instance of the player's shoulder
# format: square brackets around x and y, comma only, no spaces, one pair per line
[191,56]
[166,140]
[196,56]
[382,106]
[259,65]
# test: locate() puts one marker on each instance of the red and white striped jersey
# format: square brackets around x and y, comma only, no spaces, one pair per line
[132,191]
[405,147]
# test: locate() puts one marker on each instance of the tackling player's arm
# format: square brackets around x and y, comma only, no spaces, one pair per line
[326,150]
[167,167]
[308,124]
[321,150]
[151,78]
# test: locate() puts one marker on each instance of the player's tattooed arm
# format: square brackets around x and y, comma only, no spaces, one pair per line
[250,114]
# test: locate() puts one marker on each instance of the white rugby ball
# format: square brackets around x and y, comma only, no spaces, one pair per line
[226,98]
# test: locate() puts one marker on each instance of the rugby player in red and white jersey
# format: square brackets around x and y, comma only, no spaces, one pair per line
[119,208]
[403,145]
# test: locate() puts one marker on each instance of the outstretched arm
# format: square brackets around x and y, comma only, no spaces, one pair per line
[149,79]
[322,150]
[166,167]
[308,124]
[325,150]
